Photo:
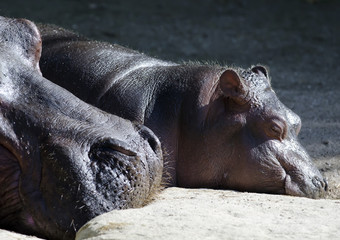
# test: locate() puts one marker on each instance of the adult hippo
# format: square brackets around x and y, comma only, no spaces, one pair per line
[62,161]
[221,127]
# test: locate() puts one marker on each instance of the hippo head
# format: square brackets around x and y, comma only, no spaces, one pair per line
[246,139]
[62,162]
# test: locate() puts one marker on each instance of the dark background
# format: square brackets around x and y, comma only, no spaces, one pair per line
[298,40]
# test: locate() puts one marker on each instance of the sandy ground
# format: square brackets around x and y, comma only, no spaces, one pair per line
[298,40]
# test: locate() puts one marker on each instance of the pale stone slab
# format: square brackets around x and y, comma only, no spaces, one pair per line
[215,214]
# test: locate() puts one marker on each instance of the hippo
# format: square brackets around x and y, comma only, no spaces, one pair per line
[220,127]
[63,161]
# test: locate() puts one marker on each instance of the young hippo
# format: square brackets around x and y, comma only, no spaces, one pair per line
[221,127]
[62,161]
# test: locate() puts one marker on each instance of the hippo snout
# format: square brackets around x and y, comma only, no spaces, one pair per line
[316,187]
[320,183]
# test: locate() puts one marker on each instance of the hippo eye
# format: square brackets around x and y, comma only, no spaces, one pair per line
[276,130]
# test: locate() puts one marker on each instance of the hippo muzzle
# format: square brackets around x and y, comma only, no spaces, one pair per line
[302,177]
[79,180]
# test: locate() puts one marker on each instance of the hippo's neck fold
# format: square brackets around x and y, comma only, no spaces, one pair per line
[164,96]
[167,99]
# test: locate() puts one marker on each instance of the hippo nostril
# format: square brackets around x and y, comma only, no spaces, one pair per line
[325,184]
[320,183]
[151,138]
[153,144]
[316,182]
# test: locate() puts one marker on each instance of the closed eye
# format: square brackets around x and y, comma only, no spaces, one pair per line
[276,132]
[111,146]
[276,129]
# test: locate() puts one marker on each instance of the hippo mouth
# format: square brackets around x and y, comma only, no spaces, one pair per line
[299,176]
[303,184]
[315,188]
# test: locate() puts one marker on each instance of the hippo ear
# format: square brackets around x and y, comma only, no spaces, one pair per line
[24,35]
[260,70]
[32,46]
[231,84]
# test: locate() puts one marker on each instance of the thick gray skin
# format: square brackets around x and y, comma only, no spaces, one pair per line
[221,127]
[62,161]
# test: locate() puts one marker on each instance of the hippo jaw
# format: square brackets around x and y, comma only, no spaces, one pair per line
[317,189]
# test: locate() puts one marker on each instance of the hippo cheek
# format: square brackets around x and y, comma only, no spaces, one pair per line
[9,182]
[254,168]
[302,177]
[261,172]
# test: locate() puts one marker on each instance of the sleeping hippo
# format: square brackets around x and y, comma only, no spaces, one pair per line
[220,127]
[62,161]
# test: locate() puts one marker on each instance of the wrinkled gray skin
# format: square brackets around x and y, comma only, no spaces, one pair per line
[62,161]
[221,127]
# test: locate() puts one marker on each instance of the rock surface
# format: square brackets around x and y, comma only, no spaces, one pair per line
[214,214]
[179,213]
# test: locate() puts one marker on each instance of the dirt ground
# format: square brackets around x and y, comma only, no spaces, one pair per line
[298,40]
